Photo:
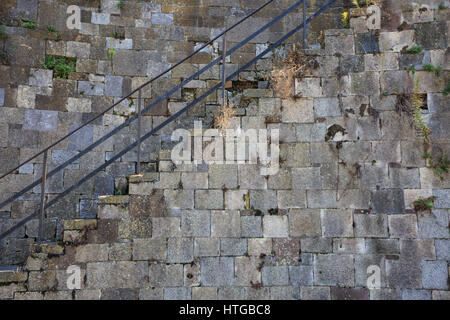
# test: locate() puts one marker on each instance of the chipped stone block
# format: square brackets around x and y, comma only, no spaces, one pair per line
[179,199]
[246,271]
[221,176]
[396,41]
[235,199]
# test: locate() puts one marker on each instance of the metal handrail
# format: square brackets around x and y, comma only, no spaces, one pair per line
[156,102]
[171,118]
[138,89]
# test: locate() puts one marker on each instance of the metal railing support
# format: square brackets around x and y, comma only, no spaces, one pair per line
[305,26]
[138,165]
[42,208]
[224,58]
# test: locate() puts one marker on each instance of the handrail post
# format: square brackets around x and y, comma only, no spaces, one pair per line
[304,24]
[224,57]
[138,165]
[42,209]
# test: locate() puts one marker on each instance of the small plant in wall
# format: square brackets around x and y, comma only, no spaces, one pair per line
[441,167]
[414,49]
[430,68]
[424,204]
[120,4]
[446,91]
[346,19]
[61,66]
[419,121]
[111,54]
[28,24]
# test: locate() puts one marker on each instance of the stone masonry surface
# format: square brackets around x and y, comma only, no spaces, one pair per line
[338,205]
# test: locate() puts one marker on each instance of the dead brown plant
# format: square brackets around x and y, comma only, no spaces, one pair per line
[222,120]
[295,65]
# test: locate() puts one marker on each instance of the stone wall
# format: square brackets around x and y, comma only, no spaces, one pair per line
[339,204]
[37,108]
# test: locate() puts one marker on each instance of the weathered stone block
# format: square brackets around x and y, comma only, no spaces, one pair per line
[196,223]
[165,275]
[217,271]
[402,274]
[434,225]
[180,250]
[256,247]
[206,247]
[304,223]
[150,249]
[275,226]
[373,225]
[40,120]
[388,201]
[301,275]
[275,276]
[403,226]
[300,110]
[334,270]
[225,224]
[336,223]
[251,227]
[435,275]
[209,199]
[246,271]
